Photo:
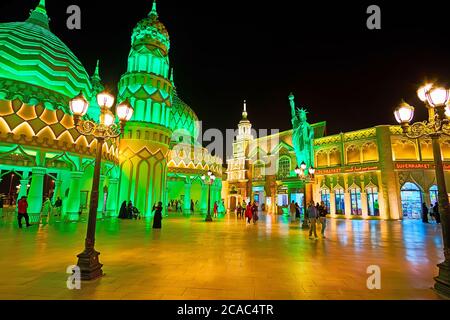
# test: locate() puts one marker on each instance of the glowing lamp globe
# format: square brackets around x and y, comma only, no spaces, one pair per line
[297,170]
[303,166]
[203,177]
[209,173]
[312,171]
[212,177]
[421,93]
[105,99]
[437,97]
[447,112]
[79,105]
[107,118]
[124,111]
[404,113]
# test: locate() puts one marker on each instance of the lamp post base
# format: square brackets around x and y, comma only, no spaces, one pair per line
[442,284]
[90,267]
[208,218]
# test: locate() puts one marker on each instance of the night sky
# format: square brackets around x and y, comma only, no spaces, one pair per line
[226,51]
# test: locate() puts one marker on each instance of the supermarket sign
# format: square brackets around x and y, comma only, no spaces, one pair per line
[419,166]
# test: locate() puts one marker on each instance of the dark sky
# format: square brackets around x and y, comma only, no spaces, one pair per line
[227,51]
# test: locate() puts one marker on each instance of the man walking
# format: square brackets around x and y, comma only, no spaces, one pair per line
[312,215]
[22,211]
[292,210]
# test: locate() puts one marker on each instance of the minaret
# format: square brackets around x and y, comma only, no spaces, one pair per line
[97,86]
[39,16]
[144,146]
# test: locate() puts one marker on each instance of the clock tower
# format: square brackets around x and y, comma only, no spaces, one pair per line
[238,167]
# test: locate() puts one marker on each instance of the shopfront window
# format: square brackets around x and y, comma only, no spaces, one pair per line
[282,200]
[284,167]
[372,201]
[433,194]
[355,200]
[411,196]
[340,202]
[325,197]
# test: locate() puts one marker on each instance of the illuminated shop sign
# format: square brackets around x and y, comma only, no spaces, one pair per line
[418,166]
[346,170]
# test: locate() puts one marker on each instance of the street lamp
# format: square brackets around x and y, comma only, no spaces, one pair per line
[436,99]
[106,129]
[209,180]
[306,176]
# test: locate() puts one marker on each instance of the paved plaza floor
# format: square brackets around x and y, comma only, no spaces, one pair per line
[191,259]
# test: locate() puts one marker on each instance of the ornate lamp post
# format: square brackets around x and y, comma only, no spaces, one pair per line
[88,262]
[211,177]
[438,124]
[307,176]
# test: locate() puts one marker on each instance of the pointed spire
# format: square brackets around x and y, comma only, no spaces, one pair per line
[244,113]
[97,72]
[153,13]
[96,81]
[39,16]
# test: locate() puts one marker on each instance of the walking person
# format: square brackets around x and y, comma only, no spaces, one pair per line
[1,205]
[424,213]
[130,210]
[248,213]
[323,218]
[297,211]
[312,215]
[22,212]
[58,206]
[46,211]
[255,212]
[215,209]
[192,206]
[158,216]
[437,215]
[123,210]
[238,210]
[292,211]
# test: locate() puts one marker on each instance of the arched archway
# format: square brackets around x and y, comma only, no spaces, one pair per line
[411,196]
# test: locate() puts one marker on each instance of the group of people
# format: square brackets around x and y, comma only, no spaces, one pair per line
[128,211]
[248,211]
[433,212]
[316,214]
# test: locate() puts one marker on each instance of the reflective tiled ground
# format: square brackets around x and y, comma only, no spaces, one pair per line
[191,259]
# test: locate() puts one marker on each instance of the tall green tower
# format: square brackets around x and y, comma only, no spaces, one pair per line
[145,144]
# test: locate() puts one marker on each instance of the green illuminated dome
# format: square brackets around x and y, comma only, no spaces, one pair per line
[183,118]
[35,65]
[150,32]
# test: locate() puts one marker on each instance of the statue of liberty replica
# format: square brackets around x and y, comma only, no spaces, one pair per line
[302,135]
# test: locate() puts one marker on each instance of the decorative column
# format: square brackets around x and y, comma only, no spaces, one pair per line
[101,197]
[23,186]
[57,191]
[187,197]
[35,194]
[364,204]
[111,202]
[348,204]
[204,199]
[388,184]
[73,200]
[332,203]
